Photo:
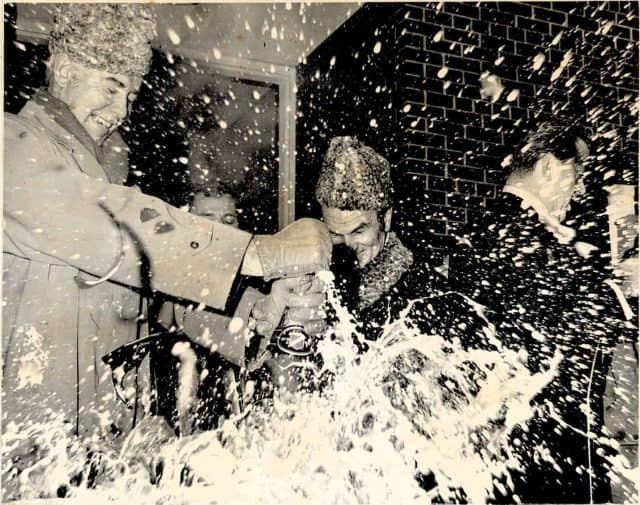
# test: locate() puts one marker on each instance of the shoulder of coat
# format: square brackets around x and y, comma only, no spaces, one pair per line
[25,129]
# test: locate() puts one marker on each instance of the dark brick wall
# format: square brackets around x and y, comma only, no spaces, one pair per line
[448,143]
[346,87]
[454,142]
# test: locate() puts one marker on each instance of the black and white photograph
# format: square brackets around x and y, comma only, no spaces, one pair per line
[320,253]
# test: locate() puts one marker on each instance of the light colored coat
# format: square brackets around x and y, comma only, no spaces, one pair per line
[65,218]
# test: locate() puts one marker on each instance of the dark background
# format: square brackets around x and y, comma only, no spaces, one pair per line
[446,150]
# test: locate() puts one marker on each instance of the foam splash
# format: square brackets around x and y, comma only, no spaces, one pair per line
[412,405]
[33,362]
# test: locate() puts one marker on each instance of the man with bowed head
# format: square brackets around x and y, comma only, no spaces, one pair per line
[546,295]
[80,248]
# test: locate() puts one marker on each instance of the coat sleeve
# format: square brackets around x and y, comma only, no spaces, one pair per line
[55,213]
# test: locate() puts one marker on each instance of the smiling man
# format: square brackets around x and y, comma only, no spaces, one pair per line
[355,192]
[80,248]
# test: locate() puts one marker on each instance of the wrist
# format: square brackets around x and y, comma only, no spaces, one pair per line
[251,264]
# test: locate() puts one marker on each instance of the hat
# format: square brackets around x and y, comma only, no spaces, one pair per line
[114,38]
[354,177]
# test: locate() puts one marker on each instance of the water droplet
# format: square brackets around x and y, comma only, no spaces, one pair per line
[513,95]
[538,61]
[173,36]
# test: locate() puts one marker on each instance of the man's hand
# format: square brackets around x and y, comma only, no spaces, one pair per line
[301,297]
[301,248]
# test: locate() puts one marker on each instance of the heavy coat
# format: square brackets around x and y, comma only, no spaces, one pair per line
[68,220]
[406,276]
[545,297]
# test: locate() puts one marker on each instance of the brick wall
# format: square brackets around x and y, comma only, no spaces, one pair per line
[453,141]
[445,142]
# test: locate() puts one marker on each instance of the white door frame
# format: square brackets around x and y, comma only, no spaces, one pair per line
[285,78]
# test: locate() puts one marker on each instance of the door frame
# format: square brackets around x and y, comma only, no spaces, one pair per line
[284,77]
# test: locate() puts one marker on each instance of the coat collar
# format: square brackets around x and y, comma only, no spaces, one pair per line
[55,116]
[63,116]
[564,234]
[384,271]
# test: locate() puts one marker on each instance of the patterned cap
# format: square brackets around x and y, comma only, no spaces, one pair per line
[354,177]
[115,38]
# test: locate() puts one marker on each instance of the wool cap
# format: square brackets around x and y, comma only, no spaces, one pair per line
[354,177]
[115,38]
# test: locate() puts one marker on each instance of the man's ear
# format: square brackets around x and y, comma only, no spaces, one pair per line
[61,69]
[544,167]
[387,219]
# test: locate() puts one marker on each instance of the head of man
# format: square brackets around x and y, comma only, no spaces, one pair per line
[550,165]
[354,190]
[218,206]
[99,53]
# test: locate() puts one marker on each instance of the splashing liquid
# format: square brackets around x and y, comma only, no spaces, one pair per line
[412,406]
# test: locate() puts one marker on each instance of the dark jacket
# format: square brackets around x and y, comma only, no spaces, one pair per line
[409,276]
[544,297]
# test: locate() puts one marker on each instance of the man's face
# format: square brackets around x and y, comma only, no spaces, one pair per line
[360,230]
[220,209]
[562,189]
[564,182]
[563,185]
[100,101]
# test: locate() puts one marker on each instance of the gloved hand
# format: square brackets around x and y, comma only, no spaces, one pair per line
[301,248]
[301,297]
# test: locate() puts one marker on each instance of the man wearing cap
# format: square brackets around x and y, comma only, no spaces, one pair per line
[355,192]
[544,294]
[79,246]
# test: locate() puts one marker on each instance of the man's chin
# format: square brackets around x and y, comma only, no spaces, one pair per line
[99,135]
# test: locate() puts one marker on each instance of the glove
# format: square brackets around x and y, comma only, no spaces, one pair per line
[301,248]
[301,297]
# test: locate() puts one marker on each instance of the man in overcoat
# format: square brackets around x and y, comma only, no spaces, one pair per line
[80,248]
[545,294]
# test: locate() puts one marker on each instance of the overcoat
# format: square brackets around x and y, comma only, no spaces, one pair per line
[79,248]
[545,297]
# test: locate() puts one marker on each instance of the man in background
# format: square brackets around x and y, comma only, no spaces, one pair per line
[198,364]
[544,295]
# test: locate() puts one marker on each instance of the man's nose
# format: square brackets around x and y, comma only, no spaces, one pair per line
[120,106]
[349,242]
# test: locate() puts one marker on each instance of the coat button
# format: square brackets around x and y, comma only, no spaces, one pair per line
[194,245]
